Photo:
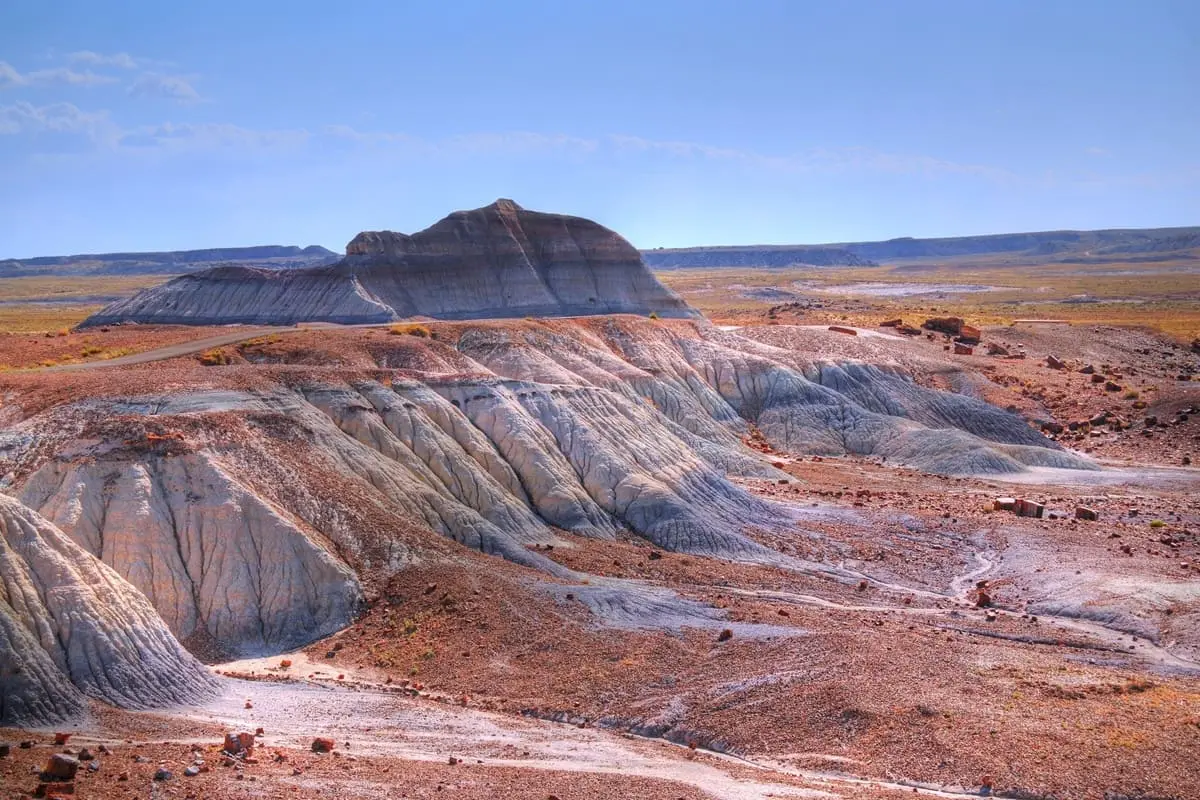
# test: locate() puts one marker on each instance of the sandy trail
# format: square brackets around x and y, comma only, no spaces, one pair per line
[366,722]
[1108,639]
[1117,475]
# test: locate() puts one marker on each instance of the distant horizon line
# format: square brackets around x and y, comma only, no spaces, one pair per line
[844,243]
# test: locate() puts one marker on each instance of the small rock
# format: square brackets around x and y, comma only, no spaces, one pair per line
[1085,513]
[725,635]
[192,771]
[323,745]
[163,774]
[238,743]
[61,738]
[85,755]
[60,768]
[1028,508]
[5,749]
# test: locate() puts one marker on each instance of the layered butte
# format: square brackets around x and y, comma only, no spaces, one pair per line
[494,262]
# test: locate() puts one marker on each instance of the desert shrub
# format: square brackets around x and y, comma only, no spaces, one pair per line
[64,331]
[1158,523]
[90,350]
[1131,395]
[214,358]
[421,331]
[653,315]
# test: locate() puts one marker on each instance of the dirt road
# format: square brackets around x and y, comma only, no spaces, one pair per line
[174,350]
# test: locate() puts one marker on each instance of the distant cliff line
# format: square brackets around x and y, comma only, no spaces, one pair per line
[1084,247]
[1148,244]
[169,262]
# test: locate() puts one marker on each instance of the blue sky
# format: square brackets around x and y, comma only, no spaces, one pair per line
[152,125]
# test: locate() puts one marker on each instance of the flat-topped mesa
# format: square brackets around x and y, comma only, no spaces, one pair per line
[492,262]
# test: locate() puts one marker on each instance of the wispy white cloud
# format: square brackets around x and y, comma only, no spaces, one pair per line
[822,159]
[681,149]
[56,118]
[12,78]
[209,136]
[1098,152]
[174,139]
[119,60]
[517,142]
[169,87]
[816,160]
[346,133]
[512,142]
[9,77]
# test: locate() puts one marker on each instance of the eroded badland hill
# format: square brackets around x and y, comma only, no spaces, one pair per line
[560,550]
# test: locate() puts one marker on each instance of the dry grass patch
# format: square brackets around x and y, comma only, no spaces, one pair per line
[411,329]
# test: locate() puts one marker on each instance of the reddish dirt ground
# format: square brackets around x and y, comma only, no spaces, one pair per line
[909,677]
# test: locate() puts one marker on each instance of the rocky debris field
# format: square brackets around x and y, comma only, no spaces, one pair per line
[614,556]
